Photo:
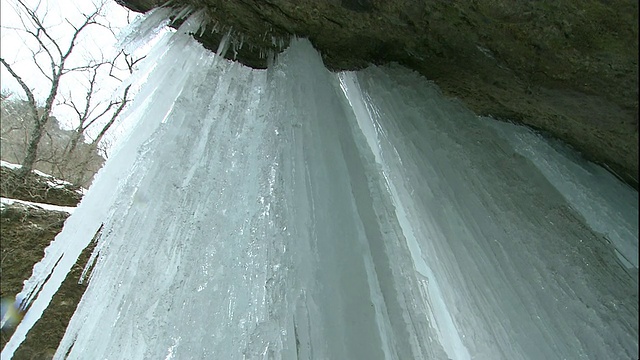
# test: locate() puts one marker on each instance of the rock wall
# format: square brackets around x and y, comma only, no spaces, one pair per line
[567,67]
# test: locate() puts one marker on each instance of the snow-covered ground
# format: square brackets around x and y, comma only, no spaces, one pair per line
[67,209]
[51,180]
[294,213]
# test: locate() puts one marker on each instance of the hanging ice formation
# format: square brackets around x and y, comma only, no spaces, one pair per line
[297,214]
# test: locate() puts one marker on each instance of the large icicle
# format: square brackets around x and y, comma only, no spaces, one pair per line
[259,230]
[437,309]
[150,106]
[609,207]
[524,276]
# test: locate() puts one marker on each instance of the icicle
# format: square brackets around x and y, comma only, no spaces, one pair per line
[194,23]
[235,49]
[223,46]
[183,13]
[143,28]
[215,27]
[271,58]
[203,28]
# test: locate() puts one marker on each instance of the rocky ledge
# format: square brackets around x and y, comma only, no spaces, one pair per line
[566,67]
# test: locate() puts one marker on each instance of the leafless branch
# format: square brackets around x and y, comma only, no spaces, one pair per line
[27,91]
[103,113]
[34,55]
[38,24]
[114,116]
[133,63]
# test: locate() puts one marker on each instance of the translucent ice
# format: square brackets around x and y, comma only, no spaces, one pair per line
[297,214]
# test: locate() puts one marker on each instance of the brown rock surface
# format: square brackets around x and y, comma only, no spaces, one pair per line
[568,67]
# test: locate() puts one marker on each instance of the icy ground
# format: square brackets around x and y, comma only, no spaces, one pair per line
[297,214]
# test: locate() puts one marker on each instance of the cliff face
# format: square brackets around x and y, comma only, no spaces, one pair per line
[567,67]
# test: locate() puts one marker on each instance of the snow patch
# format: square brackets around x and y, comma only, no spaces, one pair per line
[67,209]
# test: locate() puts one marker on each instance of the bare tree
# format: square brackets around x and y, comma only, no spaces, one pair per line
[91,113]
[51,57]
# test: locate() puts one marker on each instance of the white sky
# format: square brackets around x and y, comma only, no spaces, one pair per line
[95,43]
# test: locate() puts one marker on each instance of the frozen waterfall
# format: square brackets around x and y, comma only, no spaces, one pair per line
[292,213]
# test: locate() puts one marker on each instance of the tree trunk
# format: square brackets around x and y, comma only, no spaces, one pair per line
[32,149]
[75,138]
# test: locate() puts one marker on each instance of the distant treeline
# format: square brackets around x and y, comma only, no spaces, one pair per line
[58,154]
